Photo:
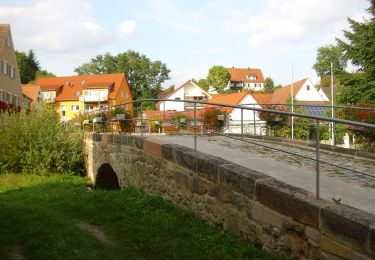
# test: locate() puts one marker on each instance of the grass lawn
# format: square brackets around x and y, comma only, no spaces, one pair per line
[40,216]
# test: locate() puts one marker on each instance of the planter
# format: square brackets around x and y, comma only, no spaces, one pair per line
[120,116]
[97,120]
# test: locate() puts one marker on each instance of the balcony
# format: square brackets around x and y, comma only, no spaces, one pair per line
[93,98]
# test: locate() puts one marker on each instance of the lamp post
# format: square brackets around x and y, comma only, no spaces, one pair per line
[333,141]
[292,97]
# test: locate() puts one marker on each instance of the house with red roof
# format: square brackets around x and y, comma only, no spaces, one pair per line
[187,91]
[245,79]
[11,96]
[77,94]
[33,94]
[250,118]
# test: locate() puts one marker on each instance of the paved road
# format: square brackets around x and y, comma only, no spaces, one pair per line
[354,189]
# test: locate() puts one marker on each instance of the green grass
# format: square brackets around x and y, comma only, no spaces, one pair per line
[38,214]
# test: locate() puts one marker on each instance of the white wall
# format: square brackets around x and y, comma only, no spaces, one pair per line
[248,118]
[309,95]
[172,105]
[191,90]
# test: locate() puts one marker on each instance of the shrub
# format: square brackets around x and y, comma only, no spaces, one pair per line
[127,125]
[181,117]
[363,135]
[210,119]
[37,142]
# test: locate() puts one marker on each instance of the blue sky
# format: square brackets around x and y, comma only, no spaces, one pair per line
[189,36]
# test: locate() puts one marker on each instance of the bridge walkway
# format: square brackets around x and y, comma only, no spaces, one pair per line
[342,185]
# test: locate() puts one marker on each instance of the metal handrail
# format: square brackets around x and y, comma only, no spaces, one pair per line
[257,109]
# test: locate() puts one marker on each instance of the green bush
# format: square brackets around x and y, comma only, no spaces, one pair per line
[36,142]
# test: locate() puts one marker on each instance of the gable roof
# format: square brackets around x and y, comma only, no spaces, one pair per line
[68,91]
[31,91]
[262,98]
[228,99]
[4,31]
[281,95]
[168,94]
[240,74]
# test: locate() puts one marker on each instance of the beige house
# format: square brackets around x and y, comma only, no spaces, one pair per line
[11,96]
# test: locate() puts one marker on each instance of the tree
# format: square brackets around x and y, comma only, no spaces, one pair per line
[203,84]
[144,76]
[28,65]
[326,55]
[359,48]
[218,77]
[42,74]
[268,85]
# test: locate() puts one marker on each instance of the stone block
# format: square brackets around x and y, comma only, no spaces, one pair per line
[186,157]
[199,186]
[222,194]
[273,218]
[290,201]
[138,142]
[110,138]
[117,139]
[372,240]
[182,177]
[208,166]
[313,236]
[335,248]
[104,139]
[239,179]
[348,225]
[153,146]
[168,152]
[257,211]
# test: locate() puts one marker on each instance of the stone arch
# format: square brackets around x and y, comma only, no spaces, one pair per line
[106,178]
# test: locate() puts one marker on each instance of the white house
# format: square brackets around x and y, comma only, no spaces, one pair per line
[245,79]
[187,91]
[303,90]
[251,120]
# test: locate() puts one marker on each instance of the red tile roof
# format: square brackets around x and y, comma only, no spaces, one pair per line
[31,91]
[228,99]
[262,98]
[73,84]
[240,75]
[282,95]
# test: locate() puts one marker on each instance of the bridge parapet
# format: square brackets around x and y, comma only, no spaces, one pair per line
[242,201]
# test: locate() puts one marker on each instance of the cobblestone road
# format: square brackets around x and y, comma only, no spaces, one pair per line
[352,188]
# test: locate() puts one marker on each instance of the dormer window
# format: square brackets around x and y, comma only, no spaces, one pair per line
[251,77]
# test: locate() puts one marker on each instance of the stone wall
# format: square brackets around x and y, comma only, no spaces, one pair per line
[246,203]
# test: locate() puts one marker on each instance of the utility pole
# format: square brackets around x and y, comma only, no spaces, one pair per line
[333,137]
[292,97]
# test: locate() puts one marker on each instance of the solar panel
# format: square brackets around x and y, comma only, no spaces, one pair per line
[316,110]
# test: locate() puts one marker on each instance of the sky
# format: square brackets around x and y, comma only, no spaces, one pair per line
[190,36]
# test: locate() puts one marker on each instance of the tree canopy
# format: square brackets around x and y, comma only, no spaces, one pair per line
[28,65]
[268,85]
[359,49]
[144,76]
[203,84]
[218,77]
[326,55]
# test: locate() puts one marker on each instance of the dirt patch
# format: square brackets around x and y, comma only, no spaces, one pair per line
[15,253]
[95,231]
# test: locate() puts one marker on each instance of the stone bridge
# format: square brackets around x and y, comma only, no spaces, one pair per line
[238,199]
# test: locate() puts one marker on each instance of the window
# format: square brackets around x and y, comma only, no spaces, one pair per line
[9,98]
[122,93]
[177,98]
[252,77]
[126,94]
[5,67]
[1,95]
[12,71]
[86,93]
[75,108]
[63,112]
[8,41]
[308,87]
[89,107]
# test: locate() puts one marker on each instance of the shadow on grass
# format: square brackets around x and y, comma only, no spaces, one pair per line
[39,216]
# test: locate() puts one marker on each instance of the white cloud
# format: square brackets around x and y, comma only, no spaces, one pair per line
[287,21]
[127,29]
[64,34]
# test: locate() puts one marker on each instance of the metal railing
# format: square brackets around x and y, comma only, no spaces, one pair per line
[195,128]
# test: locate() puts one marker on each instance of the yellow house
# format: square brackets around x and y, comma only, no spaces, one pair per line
[80,94]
